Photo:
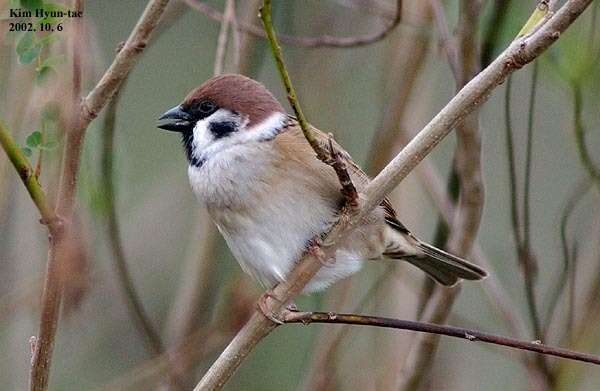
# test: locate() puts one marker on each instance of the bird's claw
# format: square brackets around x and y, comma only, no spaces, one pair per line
[265,308]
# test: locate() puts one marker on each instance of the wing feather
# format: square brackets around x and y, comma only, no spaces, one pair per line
[294,137]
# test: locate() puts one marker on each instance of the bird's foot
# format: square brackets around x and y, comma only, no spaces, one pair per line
[265,308]
[314,249]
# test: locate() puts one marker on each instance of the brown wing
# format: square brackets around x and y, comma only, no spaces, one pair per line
[358,176]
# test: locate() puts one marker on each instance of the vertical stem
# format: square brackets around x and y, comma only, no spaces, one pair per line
[525,252]
[52,291]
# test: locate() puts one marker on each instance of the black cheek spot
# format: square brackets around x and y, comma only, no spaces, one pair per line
[222,129]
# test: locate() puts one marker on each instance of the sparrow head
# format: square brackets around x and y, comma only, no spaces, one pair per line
[225,111]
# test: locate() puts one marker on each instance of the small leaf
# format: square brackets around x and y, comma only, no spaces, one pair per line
[32,4]
[25,43]
[34,139]
[47,66]
[26,151]
[538,14]
[27,49]
[43,71]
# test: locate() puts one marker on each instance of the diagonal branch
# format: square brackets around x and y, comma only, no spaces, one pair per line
[475,93]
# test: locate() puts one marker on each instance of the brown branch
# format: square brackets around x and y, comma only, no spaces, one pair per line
[450,331]
[446,41]
[222,38]
[91,105]
[141,320]
[309,42]
[519,53]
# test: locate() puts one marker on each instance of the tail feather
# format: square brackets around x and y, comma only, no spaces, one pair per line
[443,267]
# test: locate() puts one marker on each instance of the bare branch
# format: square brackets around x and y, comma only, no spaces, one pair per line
[446,41]
[140,317]
[584,155]
[450,331]
[309,42]
[222,39]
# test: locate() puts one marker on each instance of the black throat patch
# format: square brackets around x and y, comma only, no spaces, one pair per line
[187,138]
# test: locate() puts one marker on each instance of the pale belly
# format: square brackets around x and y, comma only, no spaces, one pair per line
[267,241]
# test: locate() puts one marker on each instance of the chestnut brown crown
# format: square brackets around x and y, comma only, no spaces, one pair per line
[236,93]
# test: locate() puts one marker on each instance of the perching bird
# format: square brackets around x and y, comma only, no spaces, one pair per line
[269,195]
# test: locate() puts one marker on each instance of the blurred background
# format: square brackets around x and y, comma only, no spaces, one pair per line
[138,225]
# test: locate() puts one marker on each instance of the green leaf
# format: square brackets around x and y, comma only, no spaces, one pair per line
[32,4]
[42,72]
[47,66]
[26,151]
[27,49]
[538,14]
[34,139]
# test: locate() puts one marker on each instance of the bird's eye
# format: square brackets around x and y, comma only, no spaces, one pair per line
[207,107]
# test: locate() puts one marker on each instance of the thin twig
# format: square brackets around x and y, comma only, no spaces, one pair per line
[327,155]
[138,313]
[222,39]
[309,42]
[493,28]
[450,331]
[577,193]
[447,43]
[519,53]
[235,32]
[526,255]
[584,155]
[27,175]
[512,172]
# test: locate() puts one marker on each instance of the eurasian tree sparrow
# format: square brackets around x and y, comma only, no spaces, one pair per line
[269,195]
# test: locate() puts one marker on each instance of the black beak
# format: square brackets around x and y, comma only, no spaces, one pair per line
[176,120]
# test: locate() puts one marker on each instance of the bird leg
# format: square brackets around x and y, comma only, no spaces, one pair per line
[265,308]
[314,249]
